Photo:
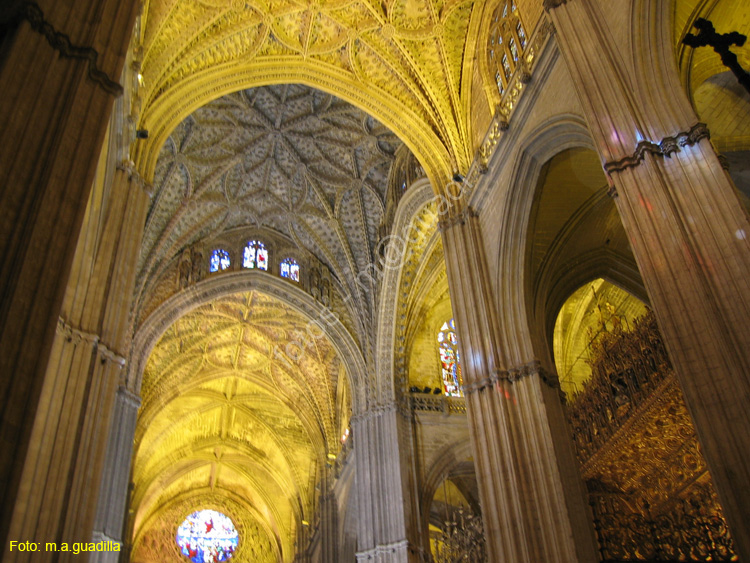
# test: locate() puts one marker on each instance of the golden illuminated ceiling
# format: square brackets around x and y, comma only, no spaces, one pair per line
[407,62]
[698,65]
[236,418]
[287,158]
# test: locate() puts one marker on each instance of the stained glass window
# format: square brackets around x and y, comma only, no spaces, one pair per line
[521,34]
[289,269]
[219,260]
[506,67]
[506,43]
[449,360]
[207,536]
[513,49]
[255,255]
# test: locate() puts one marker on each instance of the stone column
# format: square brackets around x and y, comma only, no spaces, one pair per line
[57,64]
[329,526]
[113,491]
[689,233]
[379,485]
[531,494]
[57,495]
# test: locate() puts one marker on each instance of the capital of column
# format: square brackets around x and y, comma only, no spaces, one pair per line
[33,14]
[664,148]
[513,375]
[76,336]
[379,550]
[374,412]
[457,218]
[128,397]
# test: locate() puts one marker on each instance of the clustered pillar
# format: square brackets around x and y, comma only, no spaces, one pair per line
[532,503]
[381,526]
[689,233]
[53,119]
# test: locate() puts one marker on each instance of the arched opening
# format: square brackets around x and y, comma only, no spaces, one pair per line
[648,483]
[242,416]
[574,235]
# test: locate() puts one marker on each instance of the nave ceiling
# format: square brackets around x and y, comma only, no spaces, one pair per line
[286,159]
[409,62]
[236,418]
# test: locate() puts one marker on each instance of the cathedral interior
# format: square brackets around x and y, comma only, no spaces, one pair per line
[314,281]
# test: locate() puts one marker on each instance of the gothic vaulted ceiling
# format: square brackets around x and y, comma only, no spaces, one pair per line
[287,158]
[232,421]
[409,62]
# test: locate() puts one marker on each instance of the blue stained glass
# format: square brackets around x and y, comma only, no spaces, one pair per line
[289,269]
[255,255]
[248,257]
[219,260]
[506,66]
[207,536]
[449,360]
[513,49]
[521,34]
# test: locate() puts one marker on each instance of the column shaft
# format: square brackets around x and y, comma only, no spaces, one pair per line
[689,233]
[382,533]
[113,491]
[530,491]
[53,118]
[57,496]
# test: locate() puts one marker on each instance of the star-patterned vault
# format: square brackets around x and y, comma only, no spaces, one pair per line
[290,159]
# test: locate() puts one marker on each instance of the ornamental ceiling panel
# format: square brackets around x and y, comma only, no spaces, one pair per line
[229,412]
[287,158]
[395,54]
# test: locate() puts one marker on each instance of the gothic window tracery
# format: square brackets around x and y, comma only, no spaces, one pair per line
[207,536]
[220,260]
[289,268]
[451,370]
[507,42]
[255,255]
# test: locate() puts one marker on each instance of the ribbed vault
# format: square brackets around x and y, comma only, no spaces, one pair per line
[288,158]
[408,62]
[239,414]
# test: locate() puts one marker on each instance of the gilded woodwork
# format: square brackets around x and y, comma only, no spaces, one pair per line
[649,485]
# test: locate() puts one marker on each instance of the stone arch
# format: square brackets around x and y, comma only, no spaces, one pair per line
[321,319]
[557,135]
[179,102]
[453,460]
[656,72]
[230,503]
[415,199]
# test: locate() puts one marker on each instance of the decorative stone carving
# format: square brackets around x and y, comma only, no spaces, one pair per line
[665,148]
[513,92]
[32,13]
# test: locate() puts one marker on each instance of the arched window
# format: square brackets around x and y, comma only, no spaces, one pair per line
[289,269]
[207,536]
[448,346]
[219,260]
[507,42]
[255,255]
